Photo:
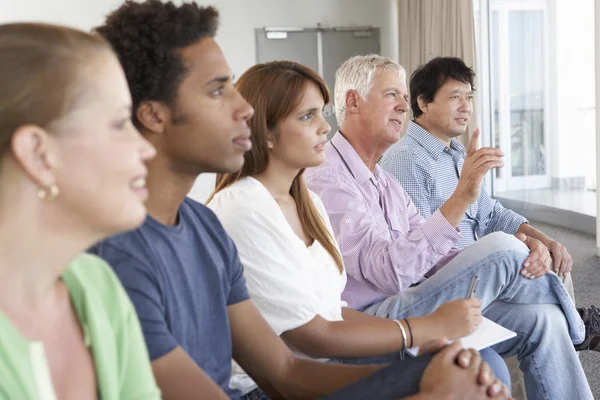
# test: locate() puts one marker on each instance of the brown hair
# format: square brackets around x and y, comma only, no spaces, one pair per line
[275,89]
[39,69]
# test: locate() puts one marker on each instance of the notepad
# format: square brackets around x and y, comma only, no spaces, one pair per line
[487,334]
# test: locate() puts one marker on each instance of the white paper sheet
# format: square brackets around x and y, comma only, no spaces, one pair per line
[488,333]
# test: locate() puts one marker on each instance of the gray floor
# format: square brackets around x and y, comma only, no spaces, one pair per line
[586,278]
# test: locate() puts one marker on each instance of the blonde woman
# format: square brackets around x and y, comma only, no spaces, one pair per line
[72,173]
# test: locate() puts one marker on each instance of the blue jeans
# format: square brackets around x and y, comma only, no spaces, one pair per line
[256,394]
[399,380]
[540,311]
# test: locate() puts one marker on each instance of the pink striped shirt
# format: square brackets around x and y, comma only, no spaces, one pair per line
[385,243]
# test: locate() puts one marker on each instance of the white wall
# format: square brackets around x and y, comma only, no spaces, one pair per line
[82,14]
[239,18]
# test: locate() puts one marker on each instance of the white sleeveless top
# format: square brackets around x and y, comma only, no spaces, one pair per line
[288,282]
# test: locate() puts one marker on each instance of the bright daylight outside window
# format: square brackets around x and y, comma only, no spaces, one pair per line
[536,60]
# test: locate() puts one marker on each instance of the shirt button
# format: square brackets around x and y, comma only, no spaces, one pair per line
[347,221]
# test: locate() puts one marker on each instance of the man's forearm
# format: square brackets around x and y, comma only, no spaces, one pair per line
[454,209]
[304,379]
[530,231]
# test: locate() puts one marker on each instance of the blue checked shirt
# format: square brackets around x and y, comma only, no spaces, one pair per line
[428,171]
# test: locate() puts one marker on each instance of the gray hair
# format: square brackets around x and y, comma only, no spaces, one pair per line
[357,73]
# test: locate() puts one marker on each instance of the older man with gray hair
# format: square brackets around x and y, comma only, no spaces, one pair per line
[401,266]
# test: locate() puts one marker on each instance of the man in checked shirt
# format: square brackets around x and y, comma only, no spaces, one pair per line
[427,162]
[389,249]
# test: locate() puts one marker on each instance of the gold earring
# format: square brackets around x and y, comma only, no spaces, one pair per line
[48,194]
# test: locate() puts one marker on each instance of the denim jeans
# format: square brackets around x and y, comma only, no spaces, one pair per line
[256,394]
[540,311]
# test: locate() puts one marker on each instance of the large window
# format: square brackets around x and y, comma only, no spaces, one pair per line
[536,71]
[518,71]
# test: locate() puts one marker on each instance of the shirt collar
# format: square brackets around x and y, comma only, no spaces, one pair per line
[355,164]
[429,142]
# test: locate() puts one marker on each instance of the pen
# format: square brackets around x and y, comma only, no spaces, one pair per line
[474,283]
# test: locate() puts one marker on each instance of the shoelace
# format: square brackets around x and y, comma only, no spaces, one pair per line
[595,318]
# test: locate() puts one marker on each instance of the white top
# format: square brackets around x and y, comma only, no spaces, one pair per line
[288,282]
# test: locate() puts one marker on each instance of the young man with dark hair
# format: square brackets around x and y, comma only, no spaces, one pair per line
[180,268]
[428,160]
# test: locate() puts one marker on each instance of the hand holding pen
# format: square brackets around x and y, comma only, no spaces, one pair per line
[460,317]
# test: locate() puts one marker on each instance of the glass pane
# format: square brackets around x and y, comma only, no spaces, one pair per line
[527,97]
[495,84]
[543,104]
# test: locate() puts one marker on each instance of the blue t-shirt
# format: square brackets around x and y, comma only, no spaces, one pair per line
[181,280]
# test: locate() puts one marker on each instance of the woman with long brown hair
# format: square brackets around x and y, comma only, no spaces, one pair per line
[72,172]
[292,264]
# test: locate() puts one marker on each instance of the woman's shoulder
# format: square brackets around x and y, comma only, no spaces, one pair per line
[244,197]
[239,191]
[91,269]
[92,280]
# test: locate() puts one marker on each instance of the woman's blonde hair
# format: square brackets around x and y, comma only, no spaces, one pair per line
[40,73]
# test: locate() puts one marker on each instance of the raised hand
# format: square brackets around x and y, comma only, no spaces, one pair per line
[477,163]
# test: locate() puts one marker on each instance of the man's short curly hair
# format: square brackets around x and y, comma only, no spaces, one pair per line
[147,36]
